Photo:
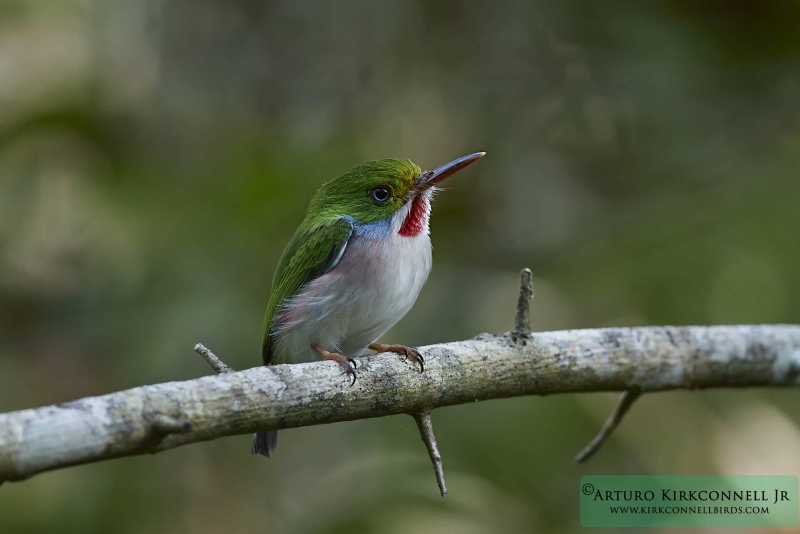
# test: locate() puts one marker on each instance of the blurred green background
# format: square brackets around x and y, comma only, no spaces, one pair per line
[156,156]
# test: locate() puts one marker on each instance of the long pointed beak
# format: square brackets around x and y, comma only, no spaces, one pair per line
[432,177]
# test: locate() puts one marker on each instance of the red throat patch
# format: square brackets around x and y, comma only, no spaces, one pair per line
[417,219]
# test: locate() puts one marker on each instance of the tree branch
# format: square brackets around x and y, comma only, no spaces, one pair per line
[163,416]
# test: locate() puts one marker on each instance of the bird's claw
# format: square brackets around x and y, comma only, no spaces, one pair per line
[415,356]
[402,350]
[350,369]
[348,364]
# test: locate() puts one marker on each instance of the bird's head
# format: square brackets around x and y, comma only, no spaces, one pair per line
[394,193]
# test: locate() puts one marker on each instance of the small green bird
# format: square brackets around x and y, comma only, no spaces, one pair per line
[353,268]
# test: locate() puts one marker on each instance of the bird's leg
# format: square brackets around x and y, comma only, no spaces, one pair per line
[408,352]
[349,364]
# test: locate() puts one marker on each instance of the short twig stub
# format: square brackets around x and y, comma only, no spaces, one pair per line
[215,363]
[425,425]
[626,400]
[522,320]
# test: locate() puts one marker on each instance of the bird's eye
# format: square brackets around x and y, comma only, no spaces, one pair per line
[380,194]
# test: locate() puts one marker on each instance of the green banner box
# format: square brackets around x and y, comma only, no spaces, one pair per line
[689,501]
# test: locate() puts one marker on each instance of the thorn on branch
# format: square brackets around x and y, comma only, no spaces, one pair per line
[215,363]
[522,320]
[625,401]
[425,426]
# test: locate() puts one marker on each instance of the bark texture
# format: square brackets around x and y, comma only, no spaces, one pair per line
[153,418]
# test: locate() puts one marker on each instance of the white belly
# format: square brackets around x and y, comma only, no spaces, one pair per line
[372,287]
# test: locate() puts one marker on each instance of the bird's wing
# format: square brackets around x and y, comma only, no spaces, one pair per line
[312,252]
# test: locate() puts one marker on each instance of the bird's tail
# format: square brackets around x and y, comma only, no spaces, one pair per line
[265,443]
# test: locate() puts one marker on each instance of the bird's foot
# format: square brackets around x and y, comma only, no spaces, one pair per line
[348,364]
[408,352]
